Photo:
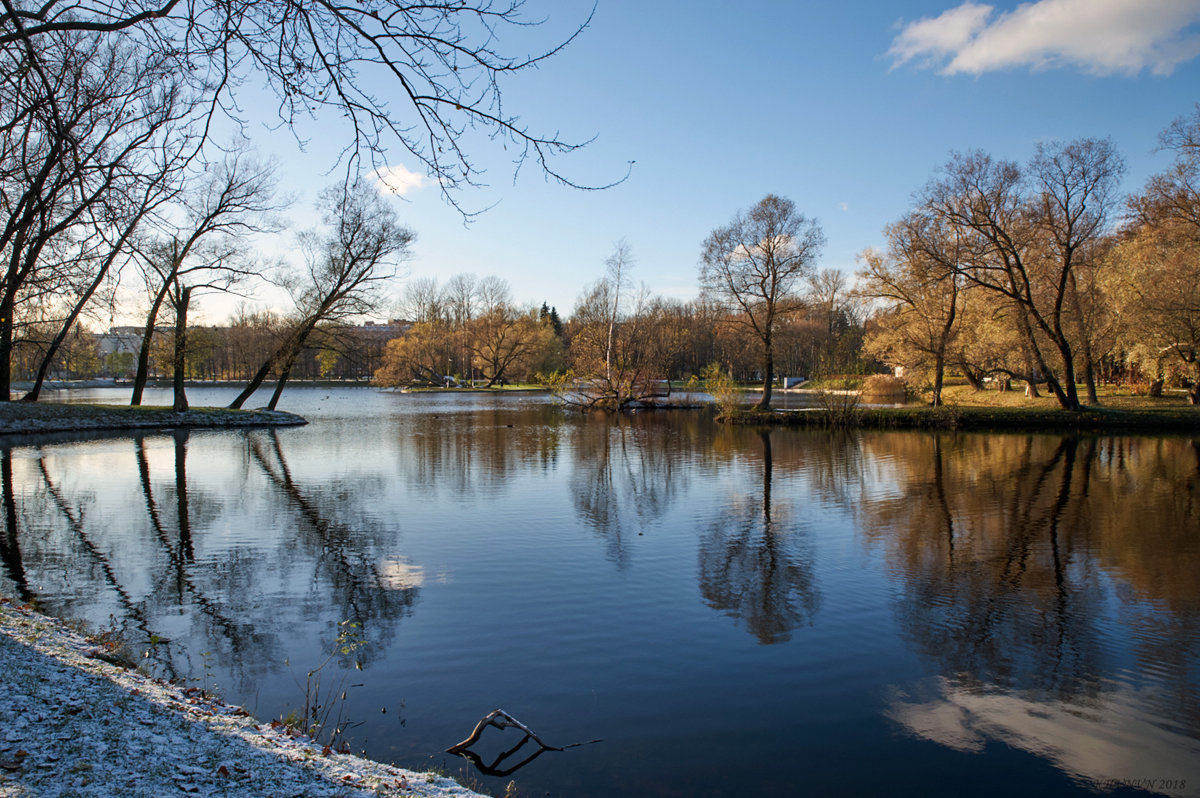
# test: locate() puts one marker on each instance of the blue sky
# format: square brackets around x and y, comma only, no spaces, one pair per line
[846,108]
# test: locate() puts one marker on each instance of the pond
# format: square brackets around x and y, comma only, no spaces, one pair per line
[728,612]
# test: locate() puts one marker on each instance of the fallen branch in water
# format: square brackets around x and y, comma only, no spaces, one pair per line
[501,720]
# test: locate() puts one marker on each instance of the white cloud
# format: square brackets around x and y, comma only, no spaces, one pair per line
[399,180]
[1098,36]
[931,40]
[1113,737]
[396,574]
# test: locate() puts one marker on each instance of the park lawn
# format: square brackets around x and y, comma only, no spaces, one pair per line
[965,408]
[1118,397]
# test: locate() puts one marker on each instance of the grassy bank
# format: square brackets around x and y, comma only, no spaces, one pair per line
[993,410]
[24,418]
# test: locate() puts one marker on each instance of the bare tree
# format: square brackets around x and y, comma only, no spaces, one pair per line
[616,267]
[422,301]
[204,250]
[112,228]
[1155,280]
[1076,185]
[460,298]
[756,264]
[1025,233]
[918,282]
[492,294]
[345,269]
[426,76]
[80,125]
[618,364]
[1172,198]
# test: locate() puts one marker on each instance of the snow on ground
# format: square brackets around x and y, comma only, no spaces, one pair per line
[72,724]
[24,418]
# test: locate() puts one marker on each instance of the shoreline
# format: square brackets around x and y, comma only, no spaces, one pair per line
[71,722]
[983,419]
[19,418]
[31,418]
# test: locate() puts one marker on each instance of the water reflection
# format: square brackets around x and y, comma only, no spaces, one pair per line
[10,543]
[1108,742]
[1012,554]
[757,564]
[336,537]
[819,590]
[625,475]
[73,513]
[987,590]
[456,453]
[162,572]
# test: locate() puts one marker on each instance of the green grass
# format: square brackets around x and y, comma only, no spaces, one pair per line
[965,408]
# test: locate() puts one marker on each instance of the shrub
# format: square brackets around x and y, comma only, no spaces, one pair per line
[839,406]
[724,391]
[884,388]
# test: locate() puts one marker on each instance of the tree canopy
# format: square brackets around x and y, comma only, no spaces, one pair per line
[756,265]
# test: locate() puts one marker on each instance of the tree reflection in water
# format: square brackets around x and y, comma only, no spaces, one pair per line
[170,575]
[458,455]
[625,476]
[10,541]
[757,566]
[1031,589]
[1011,550]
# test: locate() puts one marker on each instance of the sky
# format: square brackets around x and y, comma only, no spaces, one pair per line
[845,108]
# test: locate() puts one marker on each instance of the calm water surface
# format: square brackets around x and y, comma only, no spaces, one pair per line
[730,612]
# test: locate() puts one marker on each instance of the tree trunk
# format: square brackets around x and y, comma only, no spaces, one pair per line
[1089,376]
[285,354]
[1031,389]
[180,356]
[768,377]
[255,382]
[44,367]
[117,248]
[939,376]
[608,352]
[1065,390]
[6,345]
[973,379]
[939,373]
[143,368]
[284,373]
